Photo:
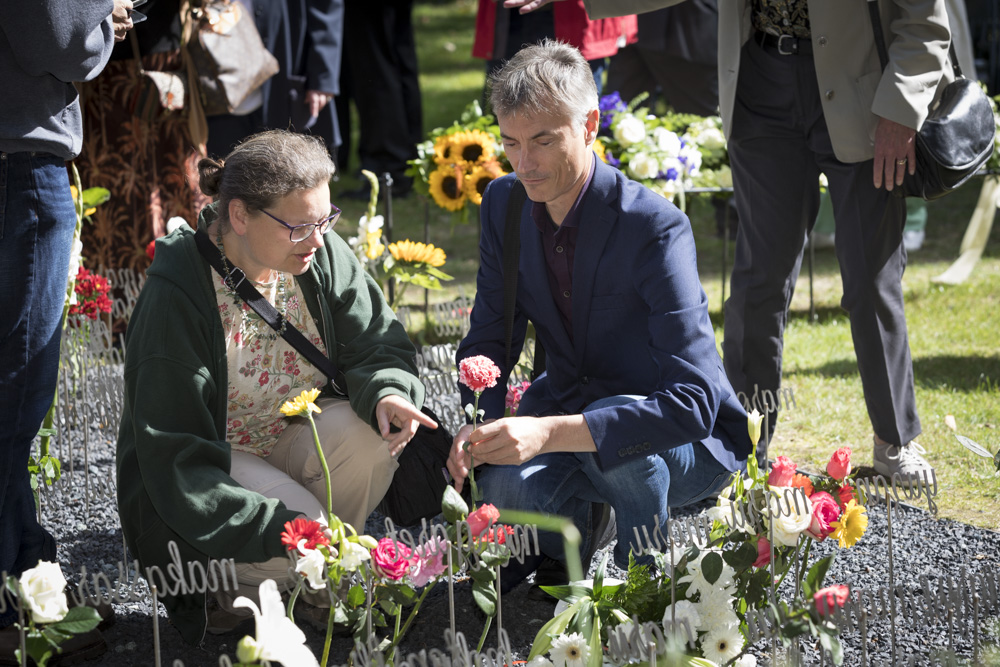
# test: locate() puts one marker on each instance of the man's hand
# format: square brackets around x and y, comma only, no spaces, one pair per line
[895,153]
[459,461]
[395,410]
[525,6]
[316,100]
[120,18]
[510,441]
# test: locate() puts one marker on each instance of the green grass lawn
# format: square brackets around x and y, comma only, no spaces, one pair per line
[953,329]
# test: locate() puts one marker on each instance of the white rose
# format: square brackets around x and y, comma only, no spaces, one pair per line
[43,587]
[667,141]
[724,175]
[352,555]
[790,517]
[312,565]
[712,138]
[644,166]
[630,130]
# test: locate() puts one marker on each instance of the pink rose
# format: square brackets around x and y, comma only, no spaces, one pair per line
[846,495]
[481,519]
[514,394]
[839,466]
[763,552]
[478,373]
[825,511]
[782,472]
[390,559]
[831,598]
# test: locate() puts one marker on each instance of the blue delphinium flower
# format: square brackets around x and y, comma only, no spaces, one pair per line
[609,104]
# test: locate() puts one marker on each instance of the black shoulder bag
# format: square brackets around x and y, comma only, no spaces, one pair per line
[411,497]
[956,139]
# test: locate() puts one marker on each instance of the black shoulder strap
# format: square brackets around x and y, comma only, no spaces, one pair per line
[236,280]
[511,258]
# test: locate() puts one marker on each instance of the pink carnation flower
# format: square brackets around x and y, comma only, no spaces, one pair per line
[782,472]
[478,373]
[430,561]
[390,559]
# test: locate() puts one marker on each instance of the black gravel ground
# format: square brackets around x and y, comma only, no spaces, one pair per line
[89,535]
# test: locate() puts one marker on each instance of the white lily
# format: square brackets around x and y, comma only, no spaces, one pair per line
[277,638]
[352,555]
[312,565]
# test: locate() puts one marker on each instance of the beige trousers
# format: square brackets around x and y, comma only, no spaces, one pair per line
[360,472]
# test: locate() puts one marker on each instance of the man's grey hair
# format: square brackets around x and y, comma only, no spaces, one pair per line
[550,78]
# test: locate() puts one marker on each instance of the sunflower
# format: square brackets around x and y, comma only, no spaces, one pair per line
[445,185]
[852,525]
[415,252]
[600,149]
[476,182]
[472,147]
[443,150]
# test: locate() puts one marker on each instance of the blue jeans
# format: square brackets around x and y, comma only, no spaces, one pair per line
[566,484]
[37,220]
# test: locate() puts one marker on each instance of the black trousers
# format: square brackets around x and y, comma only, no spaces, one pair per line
[382,55]
[779,146]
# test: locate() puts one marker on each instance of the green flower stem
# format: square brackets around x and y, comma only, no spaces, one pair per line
[292,599]
[788,565]
[486,631]
[329,638]
[326,468]
[804,565]
[399,634]
[472,463]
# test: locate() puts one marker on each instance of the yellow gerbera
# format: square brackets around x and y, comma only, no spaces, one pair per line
[476,182]
[852,525]
[414,251]
[445,186]
[302,404]
[472,147]
[600,149]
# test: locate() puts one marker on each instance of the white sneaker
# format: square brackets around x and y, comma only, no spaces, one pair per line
[913,239]
[907,462]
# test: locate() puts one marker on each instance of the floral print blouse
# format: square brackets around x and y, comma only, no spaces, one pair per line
[264,370]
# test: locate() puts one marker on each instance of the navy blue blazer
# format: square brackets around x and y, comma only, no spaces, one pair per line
[640,326]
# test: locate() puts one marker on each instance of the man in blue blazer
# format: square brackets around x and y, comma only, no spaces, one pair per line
[634,409]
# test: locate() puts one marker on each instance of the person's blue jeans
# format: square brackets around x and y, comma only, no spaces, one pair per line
[37,220]
[566,484]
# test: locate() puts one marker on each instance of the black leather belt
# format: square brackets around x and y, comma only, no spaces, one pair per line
[784,45]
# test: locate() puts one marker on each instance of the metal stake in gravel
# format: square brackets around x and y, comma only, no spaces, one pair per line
[975,628]
[864,630]
[892,595]
[156,630]
[451,595]
[20,631]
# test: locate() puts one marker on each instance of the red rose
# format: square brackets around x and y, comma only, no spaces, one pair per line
[497,535]
[392,560]
[478,373]
[845,495]
[782,472]
[303,529]
[831,598]
[151,249]
[481,519]
[839,466]
[763,552]
[825,511]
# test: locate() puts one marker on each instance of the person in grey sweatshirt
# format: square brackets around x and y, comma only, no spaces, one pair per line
[45,45]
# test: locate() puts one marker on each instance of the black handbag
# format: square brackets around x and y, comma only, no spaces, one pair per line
[957,137]
[414,495]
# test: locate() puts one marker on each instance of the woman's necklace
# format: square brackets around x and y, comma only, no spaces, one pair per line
[250,320]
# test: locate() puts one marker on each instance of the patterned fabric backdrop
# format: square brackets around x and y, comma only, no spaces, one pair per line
[150,167]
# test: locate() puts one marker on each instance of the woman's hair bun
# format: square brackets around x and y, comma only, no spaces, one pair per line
[210,175]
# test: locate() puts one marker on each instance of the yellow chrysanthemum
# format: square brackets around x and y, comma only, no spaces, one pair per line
[476,182]
[411,251]
[302,404]
[375,248]
[472,147]
[445,186]
[601,150]
[852,525]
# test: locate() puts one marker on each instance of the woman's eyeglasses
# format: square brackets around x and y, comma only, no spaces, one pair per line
[298,233]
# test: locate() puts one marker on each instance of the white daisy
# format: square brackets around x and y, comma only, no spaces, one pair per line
[722,645]
[748,660]
[715,610]
[569,650]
